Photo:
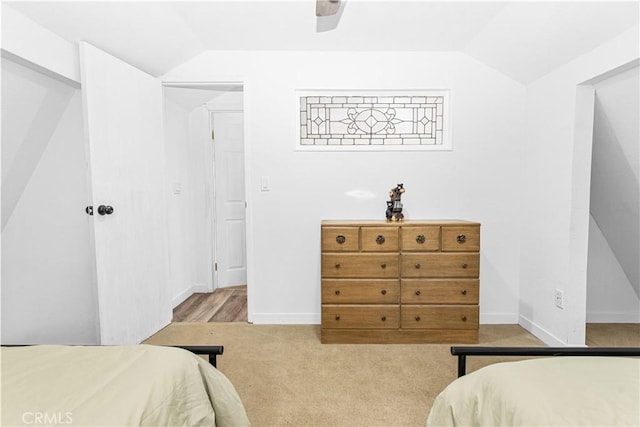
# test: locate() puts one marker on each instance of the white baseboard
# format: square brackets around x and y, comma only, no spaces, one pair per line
[198,287]
[605,317]
[541,333]
[286,318]
[498,318]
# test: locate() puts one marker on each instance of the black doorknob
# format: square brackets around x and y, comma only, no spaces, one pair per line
[105,210]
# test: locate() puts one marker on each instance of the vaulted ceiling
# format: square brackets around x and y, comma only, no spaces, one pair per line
[523,40]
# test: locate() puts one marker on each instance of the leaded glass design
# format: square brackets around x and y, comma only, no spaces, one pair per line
[373,120]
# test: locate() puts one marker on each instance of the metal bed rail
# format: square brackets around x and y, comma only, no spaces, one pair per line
[213,351]
[462,352]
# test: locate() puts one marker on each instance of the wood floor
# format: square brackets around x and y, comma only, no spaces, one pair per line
[222,305]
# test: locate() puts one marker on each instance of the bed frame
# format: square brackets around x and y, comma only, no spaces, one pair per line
[213,351]
[463,352]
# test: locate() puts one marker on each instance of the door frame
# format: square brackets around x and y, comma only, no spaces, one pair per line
[221,84]
[583,157]
[581,190]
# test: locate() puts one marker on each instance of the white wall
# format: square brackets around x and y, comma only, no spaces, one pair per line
[48,295]
[615,188]
[555,197]
[613,272]
[189,229]
[479,180]
[610,296]
[227,101]
[176,139]
[519,177]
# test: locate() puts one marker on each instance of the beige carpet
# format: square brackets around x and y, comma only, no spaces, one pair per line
[286,377]
[613,334]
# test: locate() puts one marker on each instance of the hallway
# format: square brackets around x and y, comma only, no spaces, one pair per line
[222,305]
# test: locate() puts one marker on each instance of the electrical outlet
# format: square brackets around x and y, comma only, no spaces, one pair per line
[558,298]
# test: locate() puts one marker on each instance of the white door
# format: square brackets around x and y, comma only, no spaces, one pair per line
[123,122]
[228,152]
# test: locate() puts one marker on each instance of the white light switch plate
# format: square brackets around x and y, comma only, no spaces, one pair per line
[264,183]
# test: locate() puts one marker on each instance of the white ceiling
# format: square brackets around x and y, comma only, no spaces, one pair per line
[524,40]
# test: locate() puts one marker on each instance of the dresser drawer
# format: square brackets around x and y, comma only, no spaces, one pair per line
[441,265]
[336,239]
[421,238]
[461,238]
[371,291]
[440,317]
[440,291]
[360,265]
[379,239]
[370,316]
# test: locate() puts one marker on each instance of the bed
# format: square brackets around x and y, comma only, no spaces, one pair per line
[141,385]
[586,386]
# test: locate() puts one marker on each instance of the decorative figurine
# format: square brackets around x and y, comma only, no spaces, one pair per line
[394,206]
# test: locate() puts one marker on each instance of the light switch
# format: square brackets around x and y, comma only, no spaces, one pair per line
[264,183]
[177,188]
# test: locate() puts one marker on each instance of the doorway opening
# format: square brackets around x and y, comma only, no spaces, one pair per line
[204,129]
[613,273]
[614,229]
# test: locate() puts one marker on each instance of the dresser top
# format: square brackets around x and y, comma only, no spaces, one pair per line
[382,223]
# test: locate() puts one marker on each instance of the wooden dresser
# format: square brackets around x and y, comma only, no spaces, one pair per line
[408,282]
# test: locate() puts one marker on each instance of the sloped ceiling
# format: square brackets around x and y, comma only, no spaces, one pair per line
[523,40]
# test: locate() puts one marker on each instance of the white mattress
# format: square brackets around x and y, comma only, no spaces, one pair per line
[556,391]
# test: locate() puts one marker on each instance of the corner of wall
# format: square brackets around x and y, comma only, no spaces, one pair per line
[541,333]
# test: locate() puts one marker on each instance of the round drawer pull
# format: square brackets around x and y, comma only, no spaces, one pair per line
[337,265]
[337,292]
[464,292]
[417,265]
[337,317]
[465,265]
[383,265]
[340,239]
[383,292]
[380,239]
[461,238]
[417,318]
[417,292]
[464,318]
[420,239]
[383,318]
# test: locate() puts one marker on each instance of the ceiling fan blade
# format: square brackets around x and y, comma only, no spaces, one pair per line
[327,7]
